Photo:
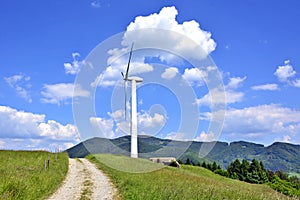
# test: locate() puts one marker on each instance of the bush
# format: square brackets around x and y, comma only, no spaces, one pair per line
[284,187]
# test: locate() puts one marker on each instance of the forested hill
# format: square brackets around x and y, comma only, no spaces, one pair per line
[278,156]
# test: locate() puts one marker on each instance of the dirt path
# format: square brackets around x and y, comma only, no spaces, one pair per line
[84,181]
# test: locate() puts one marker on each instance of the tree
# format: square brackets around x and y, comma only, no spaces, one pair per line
[187,162]
[244,170]
[234,169]
[214,166]
[281,175]
[256,173]
[270,175]
[204,164]
[208,166]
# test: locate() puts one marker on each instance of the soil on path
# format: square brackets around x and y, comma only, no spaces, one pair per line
[84,181]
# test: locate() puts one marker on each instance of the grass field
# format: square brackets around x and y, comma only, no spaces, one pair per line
[189,182]
[23,175]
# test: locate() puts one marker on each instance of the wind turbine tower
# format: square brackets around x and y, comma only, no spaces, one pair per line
[134,80]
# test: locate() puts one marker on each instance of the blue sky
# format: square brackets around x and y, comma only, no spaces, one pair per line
[45,44]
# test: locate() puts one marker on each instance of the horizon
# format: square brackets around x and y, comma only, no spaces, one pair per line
[229,143]
[48,99]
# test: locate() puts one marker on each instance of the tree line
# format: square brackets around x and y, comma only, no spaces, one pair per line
[256,173]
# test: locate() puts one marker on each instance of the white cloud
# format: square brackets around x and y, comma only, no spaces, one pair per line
[271,87]
[112,73]
[285,72]
[296,83]
[169,73]
[206,137]
[20,126]
[74,67]
[235,82]
[116,125]
[177,136]
[21,84]
[145,120]
[263,122]
[106,126]
[19,123]
[166,19]
[100,3]
[61,92]
[194,76]
[139,68]
[231,95]
[56,131]
[96,4]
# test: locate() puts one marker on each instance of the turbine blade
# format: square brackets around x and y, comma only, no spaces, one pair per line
[126,75]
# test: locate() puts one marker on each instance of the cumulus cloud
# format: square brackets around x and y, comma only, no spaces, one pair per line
[56,131]
[206,137]
[145,120]
[285,72]
[21,85]
[231,95]
[112,75]
[20,125]
[166,19]
[194,76]
[169,73]
[270,87]
[74,67]
[202,46]
[116,126]
[267,122]
[235,82]
[296,83]
[61,92]
[106,126]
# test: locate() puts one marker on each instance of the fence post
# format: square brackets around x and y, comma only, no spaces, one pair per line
[45,165]
[48,164]
[56,152]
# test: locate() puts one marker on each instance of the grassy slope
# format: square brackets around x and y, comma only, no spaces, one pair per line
[23,175]
[186,183]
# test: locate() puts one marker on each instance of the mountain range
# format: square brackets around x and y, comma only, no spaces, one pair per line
[278,156]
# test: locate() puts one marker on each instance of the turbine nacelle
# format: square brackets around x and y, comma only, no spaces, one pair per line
[134,78]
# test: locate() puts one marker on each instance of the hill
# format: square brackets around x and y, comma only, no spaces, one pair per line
[278,156]
[188,182]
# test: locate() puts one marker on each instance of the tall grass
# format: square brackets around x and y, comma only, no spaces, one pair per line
[186,183]
[23,175]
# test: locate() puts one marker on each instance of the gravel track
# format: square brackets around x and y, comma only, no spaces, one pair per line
[84,181]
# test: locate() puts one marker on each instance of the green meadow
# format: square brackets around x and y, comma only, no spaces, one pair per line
[189,182]
[23,174]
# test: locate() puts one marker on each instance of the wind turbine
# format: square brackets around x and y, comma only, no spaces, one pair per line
[134,80]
